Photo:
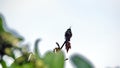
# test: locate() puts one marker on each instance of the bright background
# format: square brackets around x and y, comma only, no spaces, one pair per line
[95,26]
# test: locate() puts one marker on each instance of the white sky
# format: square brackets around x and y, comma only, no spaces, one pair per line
[95,26]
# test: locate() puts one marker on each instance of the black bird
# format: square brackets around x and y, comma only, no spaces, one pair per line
[68,34]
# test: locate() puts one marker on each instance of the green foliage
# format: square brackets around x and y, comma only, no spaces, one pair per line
[3,64]
[8,41]
[51,59]
[54,60]
[81,62]
[1,24]
[27,65]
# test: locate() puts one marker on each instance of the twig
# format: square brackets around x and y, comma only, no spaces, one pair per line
[63,45]
[58,44]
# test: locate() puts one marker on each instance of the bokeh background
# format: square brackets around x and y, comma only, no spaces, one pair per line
[95,25]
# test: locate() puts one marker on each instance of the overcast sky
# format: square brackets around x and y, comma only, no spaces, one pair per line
[95,26]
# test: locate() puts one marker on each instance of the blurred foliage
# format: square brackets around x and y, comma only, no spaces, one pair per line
[80,62]
[10,43]
[50,60]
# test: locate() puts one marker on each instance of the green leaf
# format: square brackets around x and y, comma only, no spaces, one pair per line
[3,64]
[27,65]
[8,35]
[81,62]
[36,50]
[1,23]
[9,52]
[54,60]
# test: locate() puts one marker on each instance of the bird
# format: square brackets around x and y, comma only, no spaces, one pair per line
[68,34]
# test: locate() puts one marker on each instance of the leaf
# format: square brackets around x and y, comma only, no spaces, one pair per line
[68,46]
[9,52]
[54,60]
[27,65]
[8,34]
[3,64]
[1,24]
[81,62]
[39,64]
[36,50]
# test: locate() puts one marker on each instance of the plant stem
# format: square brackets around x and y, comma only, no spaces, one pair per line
[36,48]
[58,44]
[63,45]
